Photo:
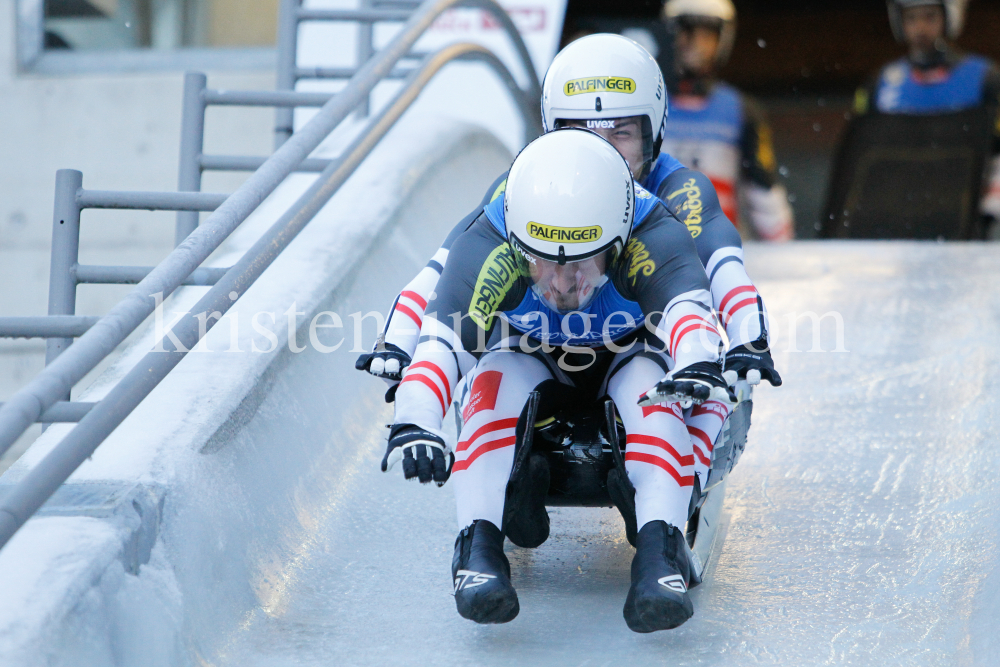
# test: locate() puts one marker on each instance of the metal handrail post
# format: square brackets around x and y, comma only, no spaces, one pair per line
[65,255]
[30,33]
[192,145]
[366,33]
[288,47]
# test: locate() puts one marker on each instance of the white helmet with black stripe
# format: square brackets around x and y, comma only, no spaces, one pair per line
[604,77]
[568,208]
[720,14]
[954,15]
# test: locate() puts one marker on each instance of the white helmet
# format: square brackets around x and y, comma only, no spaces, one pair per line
[954,15]
[605,76]
[721,13]
[568,208]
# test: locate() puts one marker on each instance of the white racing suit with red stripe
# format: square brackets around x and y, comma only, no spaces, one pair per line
[653,317]
[692,199]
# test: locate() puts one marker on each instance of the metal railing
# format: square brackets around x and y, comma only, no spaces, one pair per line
[197,97]
[45,398]
[366,15]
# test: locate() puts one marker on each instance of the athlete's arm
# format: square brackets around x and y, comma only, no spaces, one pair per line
[766,197]
[480,280]
[690,196]
[661,266]
[395,347]
[660,270]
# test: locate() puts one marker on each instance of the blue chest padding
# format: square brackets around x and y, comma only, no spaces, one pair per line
[721,119]
[898,91]
[585,327]
[534,317]
[665,165]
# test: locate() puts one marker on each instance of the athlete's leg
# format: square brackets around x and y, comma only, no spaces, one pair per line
[704,424]
[658,451]
[659,462]
[484,455]
[499,388]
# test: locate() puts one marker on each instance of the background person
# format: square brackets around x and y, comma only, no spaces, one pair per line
[716,129]
[934,77]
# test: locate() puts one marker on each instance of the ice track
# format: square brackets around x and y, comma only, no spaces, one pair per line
[860,526]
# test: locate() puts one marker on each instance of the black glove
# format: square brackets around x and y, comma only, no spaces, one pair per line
[424,455]
[689,386]
[752,361]
[386,361]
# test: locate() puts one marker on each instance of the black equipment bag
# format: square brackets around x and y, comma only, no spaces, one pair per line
[902,176]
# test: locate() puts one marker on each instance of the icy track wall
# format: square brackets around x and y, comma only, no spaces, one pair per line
[199,508]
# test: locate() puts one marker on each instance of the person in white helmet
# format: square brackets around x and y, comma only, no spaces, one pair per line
[633,116]
[612,86]
[575,278]
[718,130]
[936,78]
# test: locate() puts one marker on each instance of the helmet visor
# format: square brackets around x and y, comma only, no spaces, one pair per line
[632,136]
[568,286]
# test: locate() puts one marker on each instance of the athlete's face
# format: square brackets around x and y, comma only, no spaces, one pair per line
[696,48]
[625,134]
[570,286]
[923,28]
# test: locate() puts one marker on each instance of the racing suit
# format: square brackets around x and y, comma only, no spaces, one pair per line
[653,316]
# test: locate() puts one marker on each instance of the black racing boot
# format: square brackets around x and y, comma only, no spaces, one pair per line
[661,574]
[481,573]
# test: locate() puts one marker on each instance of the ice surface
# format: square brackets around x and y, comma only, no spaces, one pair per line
[860,526]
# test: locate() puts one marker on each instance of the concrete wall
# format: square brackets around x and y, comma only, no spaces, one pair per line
[122,132]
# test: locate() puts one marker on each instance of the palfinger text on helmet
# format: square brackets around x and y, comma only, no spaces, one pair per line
[537,230]
[600,84]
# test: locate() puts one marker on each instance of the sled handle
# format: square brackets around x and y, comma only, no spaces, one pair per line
[530,410]
[612,426]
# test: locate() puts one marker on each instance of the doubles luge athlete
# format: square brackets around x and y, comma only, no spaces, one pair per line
[575,277]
